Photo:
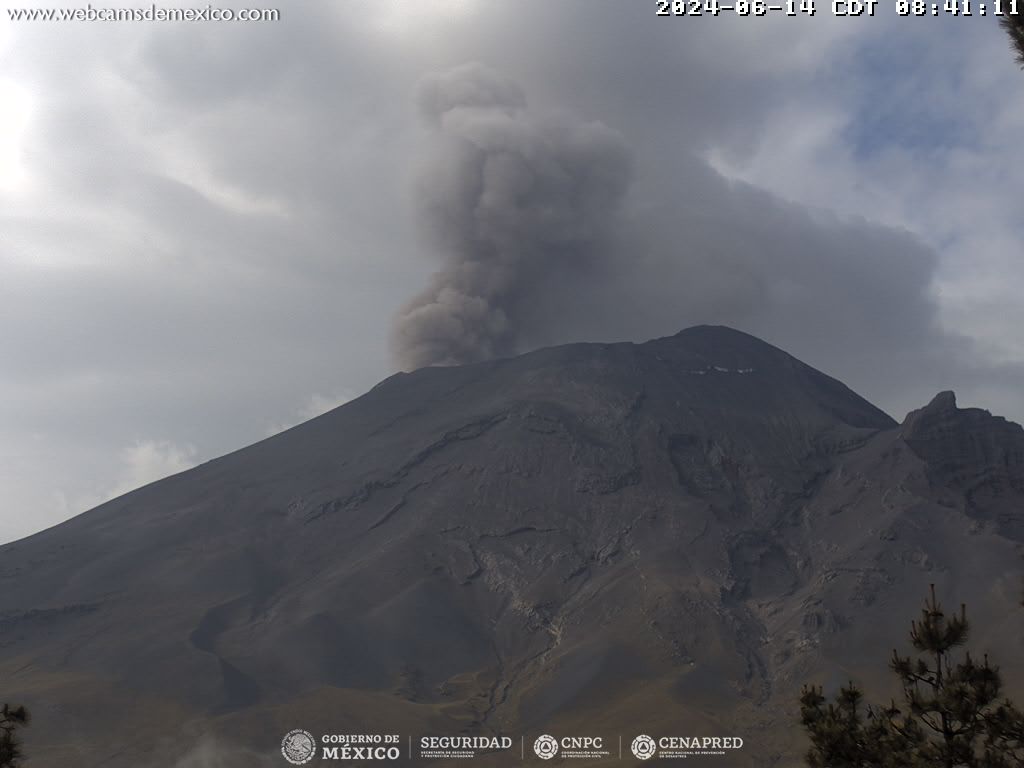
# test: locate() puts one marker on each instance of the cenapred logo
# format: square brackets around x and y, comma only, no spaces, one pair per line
[298,746]
[643,747]
[682,747]
[545,747]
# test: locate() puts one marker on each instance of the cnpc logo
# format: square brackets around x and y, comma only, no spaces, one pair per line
[545,747]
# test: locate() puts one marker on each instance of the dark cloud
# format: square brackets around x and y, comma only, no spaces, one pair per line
[852,297]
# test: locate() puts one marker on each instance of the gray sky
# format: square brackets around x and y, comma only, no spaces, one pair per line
[207,230]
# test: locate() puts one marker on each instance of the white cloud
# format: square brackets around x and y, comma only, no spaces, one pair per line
[316,405]
[141,463]
[320,404]
[930,152]
[16,104]
[146,461]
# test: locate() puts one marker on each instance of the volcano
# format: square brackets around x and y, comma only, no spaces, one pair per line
[617,539]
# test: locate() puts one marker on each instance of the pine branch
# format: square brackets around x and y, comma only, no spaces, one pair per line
[1013,24]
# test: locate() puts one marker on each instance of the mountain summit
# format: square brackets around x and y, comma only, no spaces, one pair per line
[669,537]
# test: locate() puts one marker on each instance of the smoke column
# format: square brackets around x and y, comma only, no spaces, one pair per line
[505,197]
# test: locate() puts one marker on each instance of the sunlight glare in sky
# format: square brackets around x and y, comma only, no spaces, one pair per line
[403,20]
[16,108]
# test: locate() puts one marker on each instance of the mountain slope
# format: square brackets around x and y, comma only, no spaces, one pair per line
[657,537]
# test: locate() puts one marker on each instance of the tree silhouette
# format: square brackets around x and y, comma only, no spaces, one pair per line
[1013,23]
[951,716]
[11,719]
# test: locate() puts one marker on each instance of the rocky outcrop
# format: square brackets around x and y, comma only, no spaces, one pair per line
[974,452]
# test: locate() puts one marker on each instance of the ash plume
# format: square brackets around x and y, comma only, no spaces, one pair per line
[508,199]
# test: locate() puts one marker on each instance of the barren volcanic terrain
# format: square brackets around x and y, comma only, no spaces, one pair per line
[663,538]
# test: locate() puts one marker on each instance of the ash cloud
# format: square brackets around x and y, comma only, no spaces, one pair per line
[510,200]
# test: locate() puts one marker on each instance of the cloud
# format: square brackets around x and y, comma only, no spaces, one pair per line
[841,292]
[141,463]
[212,221]
[316,405]
[17,109]
[149,460]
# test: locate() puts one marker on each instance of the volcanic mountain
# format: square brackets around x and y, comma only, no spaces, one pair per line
[666,538]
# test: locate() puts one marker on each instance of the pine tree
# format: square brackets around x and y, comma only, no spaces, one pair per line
[950,701]
[1004,747]
[951,715]
[1013,23]
[11,719]
[841,737]
[838,734]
